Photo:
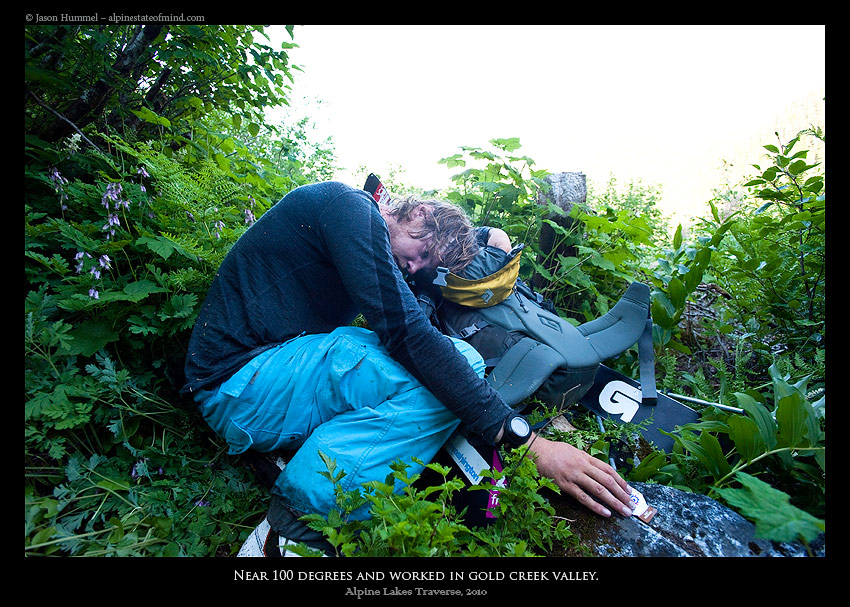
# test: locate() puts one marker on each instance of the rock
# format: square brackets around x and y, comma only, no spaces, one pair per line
[686,524]
[565,190]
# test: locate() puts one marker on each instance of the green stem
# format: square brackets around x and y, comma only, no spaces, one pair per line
[741,466]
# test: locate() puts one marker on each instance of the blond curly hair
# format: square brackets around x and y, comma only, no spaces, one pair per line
[452,234]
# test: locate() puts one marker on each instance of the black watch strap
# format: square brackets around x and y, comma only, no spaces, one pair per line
[517,430]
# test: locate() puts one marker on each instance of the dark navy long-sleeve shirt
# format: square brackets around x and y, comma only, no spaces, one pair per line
[309,265]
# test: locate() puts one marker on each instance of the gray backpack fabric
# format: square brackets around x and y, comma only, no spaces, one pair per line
[530,351]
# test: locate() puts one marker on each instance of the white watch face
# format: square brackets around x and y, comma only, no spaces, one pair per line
[519,426]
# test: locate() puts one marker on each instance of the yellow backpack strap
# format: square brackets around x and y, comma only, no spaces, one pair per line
[483,292]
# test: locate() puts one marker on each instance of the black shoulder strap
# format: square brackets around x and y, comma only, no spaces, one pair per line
[629,322]
[646,358]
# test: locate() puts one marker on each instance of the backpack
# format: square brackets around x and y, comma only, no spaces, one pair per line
[529,350]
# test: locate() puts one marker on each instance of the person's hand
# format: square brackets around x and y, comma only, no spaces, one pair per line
[592,482]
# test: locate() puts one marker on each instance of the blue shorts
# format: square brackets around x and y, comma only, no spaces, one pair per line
[340,393]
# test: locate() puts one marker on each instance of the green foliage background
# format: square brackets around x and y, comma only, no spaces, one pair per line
[147,154]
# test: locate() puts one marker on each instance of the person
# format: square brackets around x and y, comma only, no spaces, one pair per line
[493,237]
[274,362]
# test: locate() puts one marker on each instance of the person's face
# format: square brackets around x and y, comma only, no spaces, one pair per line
[411,254]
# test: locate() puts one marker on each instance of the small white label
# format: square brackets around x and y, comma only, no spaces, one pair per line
[639,502]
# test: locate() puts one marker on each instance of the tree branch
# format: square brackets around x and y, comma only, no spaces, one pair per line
[84,108]
[61,117]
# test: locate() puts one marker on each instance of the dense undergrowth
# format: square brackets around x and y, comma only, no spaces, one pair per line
[132,202]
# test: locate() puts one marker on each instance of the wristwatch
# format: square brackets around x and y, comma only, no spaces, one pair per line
[517,430]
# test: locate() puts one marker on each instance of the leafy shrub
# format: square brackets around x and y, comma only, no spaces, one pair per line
[783,442]
[406,520]
[505,193]
[116,269]
[123,234]
[773,265]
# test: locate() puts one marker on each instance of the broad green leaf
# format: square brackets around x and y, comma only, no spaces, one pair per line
[661,336]
[159,245]
[599,450]
[648,467]
[138,290]
[760,416]
[43,535]
[117,533]
[89,337]
[774,517]
[677,293]
[798,423]
[113,485]
[720,466]
[745,434]
[693,277]
[509,145]
[150,116]
[709,453]
[662,310]
[164,247]
[797,167]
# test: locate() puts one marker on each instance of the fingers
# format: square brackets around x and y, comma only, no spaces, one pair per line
[585,500]
[592,482]
[609,488]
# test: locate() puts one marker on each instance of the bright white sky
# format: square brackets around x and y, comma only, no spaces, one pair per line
[657,103]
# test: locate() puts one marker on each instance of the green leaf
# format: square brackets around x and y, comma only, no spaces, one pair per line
[694,275]
[164,247]
[709,453]
[760,416]
[509,145]
[798,424]
[774,517]
[89,337]
[117,533]
[677,238]
[677,293]
[719,465]
[662,310]
[159,245]
[150,116]
[745,434]
[138,290]
[599,450]
[648,467]
[453,161]
[111,485]
[797,167]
